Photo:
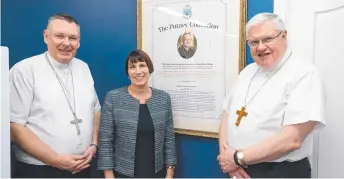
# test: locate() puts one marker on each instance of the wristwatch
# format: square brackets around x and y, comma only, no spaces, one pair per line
[239,158]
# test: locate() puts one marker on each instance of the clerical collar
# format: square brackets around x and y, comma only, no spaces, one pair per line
[286,55]
[57,64]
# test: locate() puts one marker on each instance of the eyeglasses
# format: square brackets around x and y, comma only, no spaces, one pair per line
[266,41]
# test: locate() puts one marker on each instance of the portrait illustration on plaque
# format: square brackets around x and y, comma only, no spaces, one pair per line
[187,45]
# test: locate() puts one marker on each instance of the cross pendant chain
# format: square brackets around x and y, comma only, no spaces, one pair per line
[242,113]
[76,121]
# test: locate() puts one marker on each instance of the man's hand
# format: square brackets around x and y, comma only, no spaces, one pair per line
[89,154]
[68,162]
[240,173]
[226,159]
[222,156]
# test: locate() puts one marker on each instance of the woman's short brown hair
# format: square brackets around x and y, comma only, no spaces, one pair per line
[138,56]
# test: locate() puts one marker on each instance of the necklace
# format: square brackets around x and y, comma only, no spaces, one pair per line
[75,121]
[242,112]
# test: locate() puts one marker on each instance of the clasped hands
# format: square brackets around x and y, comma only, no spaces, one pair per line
[228,165]
[75,163]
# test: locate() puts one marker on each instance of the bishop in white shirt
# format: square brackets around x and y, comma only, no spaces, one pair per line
[272,111]
[54,107]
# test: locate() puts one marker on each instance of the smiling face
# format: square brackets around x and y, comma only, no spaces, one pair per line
[62,39]
[267,44]
[138,74]
[138,68]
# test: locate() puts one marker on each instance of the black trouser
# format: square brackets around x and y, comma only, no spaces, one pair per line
[24,170]
[297,169]
[160,174]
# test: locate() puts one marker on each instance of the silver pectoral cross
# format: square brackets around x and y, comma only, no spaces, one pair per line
[76,121]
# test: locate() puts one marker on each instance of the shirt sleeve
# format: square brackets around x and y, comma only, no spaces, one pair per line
[228,99]
[96,106]
[306,101]
[21,93]
[229,96]
[226,102]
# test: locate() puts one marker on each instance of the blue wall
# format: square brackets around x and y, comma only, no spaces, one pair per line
[108,34]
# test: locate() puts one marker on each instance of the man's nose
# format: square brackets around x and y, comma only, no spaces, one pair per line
[66,41]
[261,46]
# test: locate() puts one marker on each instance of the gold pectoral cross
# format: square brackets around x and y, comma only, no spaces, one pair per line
[240,114]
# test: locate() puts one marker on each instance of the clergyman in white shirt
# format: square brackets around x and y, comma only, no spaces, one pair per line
[273,109]
[54,108]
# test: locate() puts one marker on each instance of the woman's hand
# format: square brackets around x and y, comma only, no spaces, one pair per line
[169,173]
[109,174]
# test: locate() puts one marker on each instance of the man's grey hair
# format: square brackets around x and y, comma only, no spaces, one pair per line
[186,33]
[263,17]
[65,17]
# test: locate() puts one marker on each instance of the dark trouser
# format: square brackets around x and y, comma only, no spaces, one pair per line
[160,174]
[24,170]
[297,169]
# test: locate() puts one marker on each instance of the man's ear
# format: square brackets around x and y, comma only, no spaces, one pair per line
[45,36]
[284,35]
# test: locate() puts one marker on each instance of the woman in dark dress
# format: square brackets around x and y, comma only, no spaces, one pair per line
[136,136]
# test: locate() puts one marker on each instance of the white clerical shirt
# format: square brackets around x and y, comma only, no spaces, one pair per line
[293,95]
[39,103]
